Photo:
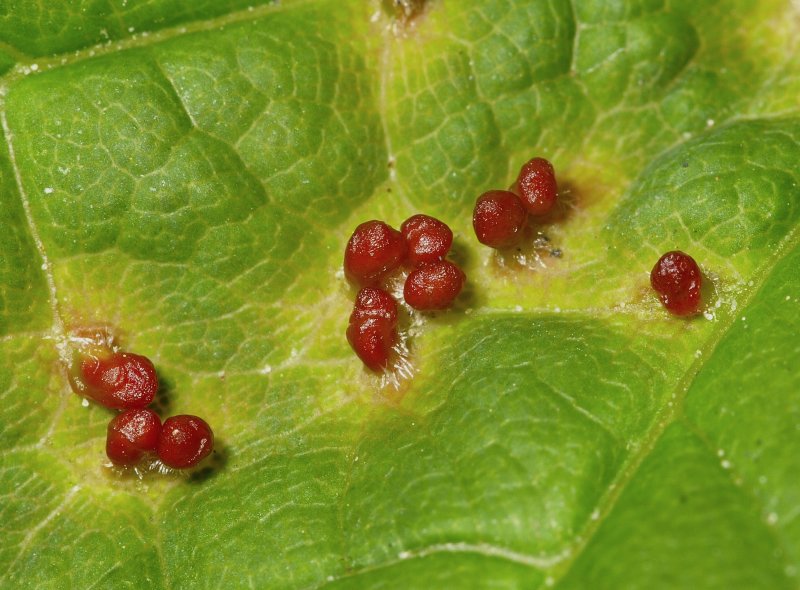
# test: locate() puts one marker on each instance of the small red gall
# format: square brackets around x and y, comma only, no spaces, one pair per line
[433,286]
[372,331]
[131,434]
[677,280]
[536,186]
[117,380]
[373,251]
[373,303]
[185,441]
[499,219]
[427,238]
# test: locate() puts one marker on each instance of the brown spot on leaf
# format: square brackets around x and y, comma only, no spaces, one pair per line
[405,11]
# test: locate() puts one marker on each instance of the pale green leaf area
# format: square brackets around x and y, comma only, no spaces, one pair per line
[186,175]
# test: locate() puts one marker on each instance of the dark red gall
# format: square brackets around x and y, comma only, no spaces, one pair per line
[434,286]
[372,331]
[536,186]
[677,279]
[131,434]
[427,239]
[373,251]
[499,219]
[118,380]
[374,303]
[185,441]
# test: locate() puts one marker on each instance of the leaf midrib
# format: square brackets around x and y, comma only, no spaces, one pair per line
[670,413]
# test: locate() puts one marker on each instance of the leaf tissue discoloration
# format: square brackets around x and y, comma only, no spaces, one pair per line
[405,11]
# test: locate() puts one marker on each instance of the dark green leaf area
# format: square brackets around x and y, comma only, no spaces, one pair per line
[529,441]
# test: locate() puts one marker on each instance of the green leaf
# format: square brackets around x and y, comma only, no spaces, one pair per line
[186,174]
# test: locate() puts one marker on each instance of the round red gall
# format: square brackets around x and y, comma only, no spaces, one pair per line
[131,434]
[185,441]
[372,331]
[372,341]
[374,303]
[427,238]
[434,286]
[373,251]
[536,186]
[677,279]
[118,380]
[499,219]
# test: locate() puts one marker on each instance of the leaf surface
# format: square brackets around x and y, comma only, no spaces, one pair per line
[187,174]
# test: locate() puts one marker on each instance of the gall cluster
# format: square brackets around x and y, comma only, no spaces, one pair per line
[500,216]
[128,382]
[378,254]
[376,259]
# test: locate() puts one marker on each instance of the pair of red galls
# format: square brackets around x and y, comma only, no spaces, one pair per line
[376,253]
[128,382]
